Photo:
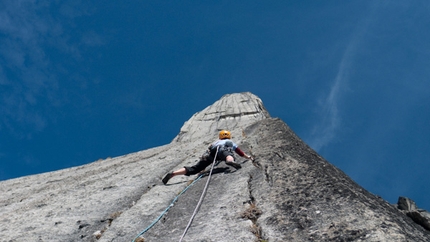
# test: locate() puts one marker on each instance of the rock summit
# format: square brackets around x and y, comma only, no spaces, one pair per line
[289,193]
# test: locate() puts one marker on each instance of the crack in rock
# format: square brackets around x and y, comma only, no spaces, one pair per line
[252,213]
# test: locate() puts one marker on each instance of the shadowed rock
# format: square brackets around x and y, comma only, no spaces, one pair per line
[289,193]
[420,216]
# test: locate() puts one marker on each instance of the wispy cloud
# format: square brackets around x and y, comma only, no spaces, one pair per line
[23,62]
[30,34]
[329,121]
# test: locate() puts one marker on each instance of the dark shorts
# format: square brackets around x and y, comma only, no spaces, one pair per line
[206,160]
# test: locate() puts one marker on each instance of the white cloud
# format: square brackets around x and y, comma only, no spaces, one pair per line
[22,59]
[329,121]
[31,31]
[92,39]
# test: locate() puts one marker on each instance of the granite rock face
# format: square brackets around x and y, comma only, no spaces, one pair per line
[289,193]
[232,112]
[420,216]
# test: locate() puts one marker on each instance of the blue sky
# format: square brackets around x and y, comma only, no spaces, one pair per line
[82,81]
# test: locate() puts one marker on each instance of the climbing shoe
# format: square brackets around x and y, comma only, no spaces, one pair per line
[167,177]
[234,164]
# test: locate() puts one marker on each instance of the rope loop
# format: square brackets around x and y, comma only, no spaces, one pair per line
[201,197]
[176,198]
[167,209]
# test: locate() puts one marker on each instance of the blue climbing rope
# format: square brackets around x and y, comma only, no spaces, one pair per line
[167,209]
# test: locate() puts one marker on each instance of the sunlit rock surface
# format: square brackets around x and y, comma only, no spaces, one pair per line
[289,193]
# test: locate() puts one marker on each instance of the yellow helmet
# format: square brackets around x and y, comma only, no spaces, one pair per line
[224,134]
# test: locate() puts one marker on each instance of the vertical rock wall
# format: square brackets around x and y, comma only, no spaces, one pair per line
[289,193]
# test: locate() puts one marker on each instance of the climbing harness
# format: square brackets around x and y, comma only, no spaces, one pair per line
[201,197]
[176,198]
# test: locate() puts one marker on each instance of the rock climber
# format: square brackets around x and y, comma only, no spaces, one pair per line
[225,148]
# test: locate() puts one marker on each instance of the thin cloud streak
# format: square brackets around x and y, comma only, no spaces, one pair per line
[325,131]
